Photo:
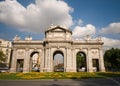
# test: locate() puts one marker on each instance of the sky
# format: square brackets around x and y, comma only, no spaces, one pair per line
[83,17]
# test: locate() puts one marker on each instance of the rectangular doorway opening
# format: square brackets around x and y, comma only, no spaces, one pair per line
[19,66]
[95,65]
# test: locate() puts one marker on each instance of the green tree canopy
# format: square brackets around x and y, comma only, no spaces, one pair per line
[2,57]
[112,58]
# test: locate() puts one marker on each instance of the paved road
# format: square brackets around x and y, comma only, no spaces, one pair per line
[81,82]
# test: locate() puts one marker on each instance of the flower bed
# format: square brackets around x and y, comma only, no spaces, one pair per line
[57,75]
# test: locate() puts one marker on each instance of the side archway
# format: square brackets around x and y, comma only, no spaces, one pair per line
[81,63]
[35,61]
[58,61]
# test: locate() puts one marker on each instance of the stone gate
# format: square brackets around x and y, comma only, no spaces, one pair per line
[57,40]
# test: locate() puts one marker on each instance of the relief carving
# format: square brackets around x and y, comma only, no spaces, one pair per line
[21,52]
[95,52]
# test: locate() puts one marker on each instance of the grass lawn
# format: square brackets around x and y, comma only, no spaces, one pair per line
[57,75]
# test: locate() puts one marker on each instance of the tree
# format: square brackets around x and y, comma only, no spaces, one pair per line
[2,57]
[112,58]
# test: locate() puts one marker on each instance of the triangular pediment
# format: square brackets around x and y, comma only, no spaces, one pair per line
[58,29]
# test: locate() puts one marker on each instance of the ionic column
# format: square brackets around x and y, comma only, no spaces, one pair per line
[69,61]
[46,59]
[42,60]
[101,61]
[13,61]
[26,61]
[49,60]
[74,60]
[65,59]
[89,62]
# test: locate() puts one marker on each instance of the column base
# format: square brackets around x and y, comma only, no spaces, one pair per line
[90,70]
[70,70]
[26,70]
[102,70]
[46,70]
[12,70]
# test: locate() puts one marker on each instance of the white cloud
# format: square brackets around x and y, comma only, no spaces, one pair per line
[110,43]
[79,31]
[35,17]
[113,28]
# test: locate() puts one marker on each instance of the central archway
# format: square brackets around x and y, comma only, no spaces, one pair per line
[58,61]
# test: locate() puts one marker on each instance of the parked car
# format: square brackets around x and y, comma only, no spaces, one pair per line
[60,70]
[3,70]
